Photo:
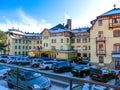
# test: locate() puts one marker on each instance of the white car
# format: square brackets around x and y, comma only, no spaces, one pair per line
[11,59]
[35,62]
[21,60]
[46,64]
[4,58]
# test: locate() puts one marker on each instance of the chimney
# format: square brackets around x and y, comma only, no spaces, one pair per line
[69,21]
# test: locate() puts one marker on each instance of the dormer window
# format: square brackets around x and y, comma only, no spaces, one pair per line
[100,22]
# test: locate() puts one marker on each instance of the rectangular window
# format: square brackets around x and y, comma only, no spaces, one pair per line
[61,40]
[73,41]
[78,40]
[15,47]
[15,40]
[19,41]
[37,42]
[19,47]
[101,59]
[100,23]
[46,44]
[15,53]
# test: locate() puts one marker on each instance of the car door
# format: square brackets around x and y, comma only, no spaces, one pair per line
[22,81]
[87,70]
[12,76]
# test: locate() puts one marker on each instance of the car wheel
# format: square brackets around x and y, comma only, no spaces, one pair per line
[47,68]
[105,80]
[29,88]
[19,63]
[34,65]
[10,62]
[84,74]
[10,85]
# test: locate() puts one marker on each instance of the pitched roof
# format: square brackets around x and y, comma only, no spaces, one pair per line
[114,11]
[79,30]
[59,26]
[58,30]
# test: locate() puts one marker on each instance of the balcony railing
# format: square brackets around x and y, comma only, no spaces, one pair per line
[115,52]
[113,25]
[100,52]
[100,38]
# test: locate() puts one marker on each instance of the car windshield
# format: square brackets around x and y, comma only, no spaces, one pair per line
[97,71]
[31,75]
[79,67]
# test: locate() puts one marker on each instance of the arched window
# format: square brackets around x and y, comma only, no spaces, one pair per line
[116,33]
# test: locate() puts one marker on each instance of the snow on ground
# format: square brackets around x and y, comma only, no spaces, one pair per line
[3,85]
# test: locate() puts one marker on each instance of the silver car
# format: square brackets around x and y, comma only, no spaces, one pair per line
[28,80]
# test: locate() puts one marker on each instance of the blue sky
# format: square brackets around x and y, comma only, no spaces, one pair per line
[35,15]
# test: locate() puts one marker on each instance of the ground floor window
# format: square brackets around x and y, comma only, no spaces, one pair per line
[101,59]
[79,54]
[84,54]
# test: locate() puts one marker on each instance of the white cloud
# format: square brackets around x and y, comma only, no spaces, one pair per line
[25,23]
[66,16]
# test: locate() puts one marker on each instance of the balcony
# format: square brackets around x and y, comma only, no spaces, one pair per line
[100,39]
[114,25]
[101,52]
[115,52]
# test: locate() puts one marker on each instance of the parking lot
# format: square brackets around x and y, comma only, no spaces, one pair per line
[63,73]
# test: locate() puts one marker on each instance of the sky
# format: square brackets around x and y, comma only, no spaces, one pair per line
[36,15]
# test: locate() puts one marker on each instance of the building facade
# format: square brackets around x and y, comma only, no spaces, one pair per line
[105,39]
[58,42]
[20,43]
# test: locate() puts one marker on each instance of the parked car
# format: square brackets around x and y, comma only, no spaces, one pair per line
[117,83]
[103,75]
[62,66]
[28,80]
[22,60]
[3,71]
[81,70]
[35,62]
[84,62]
[117,75]
[11,59]
[46,64]
[4,58]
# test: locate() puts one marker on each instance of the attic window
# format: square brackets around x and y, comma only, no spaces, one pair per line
[100,22]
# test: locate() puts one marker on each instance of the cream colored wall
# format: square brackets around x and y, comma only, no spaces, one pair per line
[58,43]
[62,55]
[46,33]
[82,44]
[13,44]
[109,41]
